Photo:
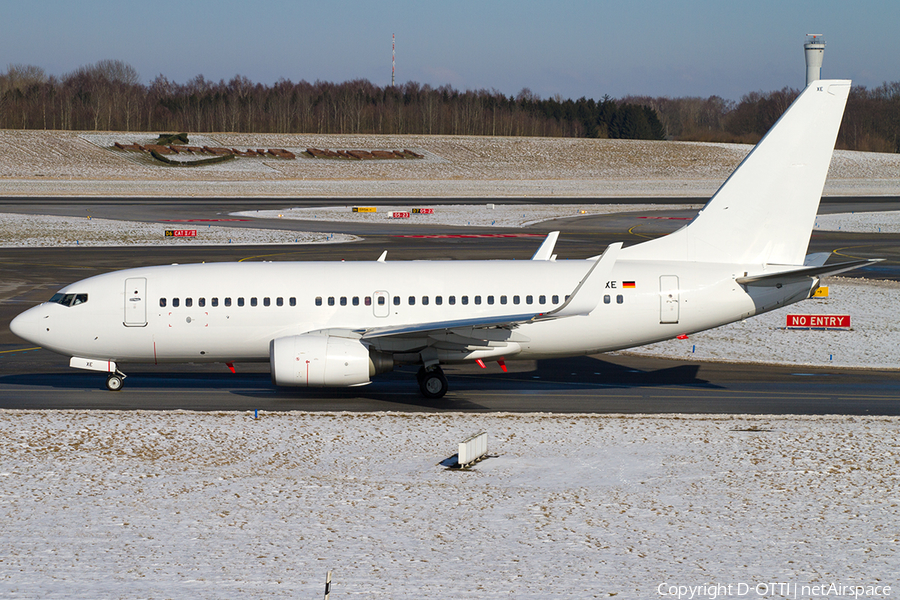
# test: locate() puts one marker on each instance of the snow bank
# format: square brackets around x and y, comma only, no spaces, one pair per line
[218,505]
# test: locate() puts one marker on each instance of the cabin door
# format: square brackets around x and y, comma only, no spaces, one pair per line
[135,302]
[668,299]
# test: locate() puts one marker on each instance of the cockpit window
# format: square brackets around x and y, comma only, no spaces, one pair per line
[69,299]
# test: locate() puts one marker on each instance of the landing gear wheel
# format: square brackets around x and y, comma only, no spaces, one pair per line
[432,383]
[114,382]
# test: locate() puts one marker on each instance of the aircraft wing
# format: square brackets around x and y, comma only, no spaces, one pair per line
[486,333]
[495,331]
[803,273]
[421,329]
[583,299]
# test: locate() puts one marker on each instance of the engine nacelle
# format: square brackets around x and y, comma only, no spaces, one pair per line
[324,361]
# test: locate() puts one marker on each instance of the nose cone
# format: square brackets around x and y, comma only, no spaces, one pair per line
[29,324]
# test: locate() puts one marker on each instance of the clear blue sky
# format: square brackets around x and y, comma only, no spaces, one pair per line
[572,48]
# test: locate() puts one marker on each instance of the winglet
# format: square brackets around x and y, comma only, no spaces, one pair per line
[585,297]
[545,252]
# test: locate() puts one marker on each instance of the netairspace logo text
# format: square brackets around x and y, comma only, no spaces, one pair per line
[713,591]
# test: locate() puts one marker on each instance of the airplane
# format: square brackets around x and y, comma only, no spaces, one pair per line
[340,324]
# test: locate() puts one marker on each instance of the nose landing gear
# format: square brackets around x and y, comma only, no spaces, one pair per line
[115,381]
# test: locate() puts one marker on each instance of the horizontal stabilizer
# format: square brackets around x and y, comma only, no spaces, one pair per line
[816,260]
[801,274]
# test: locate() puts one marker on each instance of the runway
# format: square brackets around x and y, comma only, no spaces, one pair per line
[594,384]
[599,384]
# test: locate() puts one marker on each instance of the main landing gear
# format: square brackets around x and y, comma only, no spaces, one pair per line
[432,382]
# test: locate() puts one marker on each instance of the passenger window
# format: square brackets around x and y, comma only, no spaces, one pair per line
[555,299]
[465,299]
[477,299]
[438,300]
[515,299]
[542,299]
[175,302]
[252,301]
[201,301]
[355,300]
[188,302]
[279,301]
[214,301]
[318,300]
[266,302]
[620,299]
[330,300]
[502,299]
[490,299]
[228,301]
[607,299]
[240,301]
[424,300]
[451,300]
[162,302]
[382,300]
[529,299]
[293,301]
[343,300]
[412,300]
[396,300]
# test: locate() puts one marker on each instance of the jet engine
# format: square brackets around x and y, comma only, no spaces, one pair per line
[320,360]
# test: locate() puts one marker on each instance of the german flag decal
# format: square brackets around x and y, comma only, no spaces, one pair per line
[628,284]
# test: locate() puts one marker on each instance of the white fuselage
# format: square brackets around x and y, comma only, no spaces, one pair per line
[224,312]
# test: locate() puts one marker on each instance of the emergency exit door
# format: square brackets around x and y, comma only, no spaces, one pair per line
[381,303]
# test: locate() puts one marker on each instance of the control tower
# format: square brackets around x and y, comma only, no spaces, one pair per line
[814,48]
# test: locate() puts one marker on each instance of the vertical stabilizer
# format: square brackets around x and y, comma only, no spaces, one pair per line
[765,211]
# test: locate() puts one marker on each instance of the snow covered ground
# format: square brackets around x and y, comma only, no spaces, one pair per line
[218,505]
[475,215]
[42,230]
[42,163]
[863,222]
